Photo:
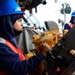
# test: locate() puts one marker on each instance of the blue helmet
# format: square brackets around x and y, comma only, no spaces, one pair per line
[73,14]
[9,7]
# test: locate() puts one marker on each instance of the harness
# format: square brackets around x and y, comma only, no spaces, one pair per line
[14,49]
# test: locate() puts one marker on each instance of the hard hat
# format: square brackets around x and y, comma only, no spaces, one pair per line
[73,14]
[8,7]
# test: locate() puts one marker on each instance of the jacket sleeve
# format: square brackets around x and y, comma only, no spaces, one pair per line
[66,26]
[10,62]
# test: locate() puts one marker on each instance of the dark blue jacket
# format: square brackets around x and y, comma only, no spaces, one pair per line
[66,26]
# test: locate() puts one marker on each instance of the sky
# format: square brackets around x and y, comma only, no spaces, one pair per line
[51,11]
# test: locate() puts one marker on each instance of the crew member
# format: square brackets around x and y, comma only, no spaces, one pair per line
[12,60]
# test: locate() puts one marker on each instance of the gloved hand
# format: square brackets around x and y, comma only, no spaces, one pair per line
[44,48]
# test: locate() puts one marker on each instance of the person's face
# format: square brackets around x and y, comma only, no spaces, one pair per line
[18,25]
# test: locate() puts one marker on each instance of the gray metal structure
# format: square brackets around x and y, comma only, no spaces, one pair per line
[51,25]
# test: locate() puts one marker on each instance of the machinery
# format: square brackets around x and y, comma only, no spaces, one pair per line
[51,37]
[61,59]
[65,49]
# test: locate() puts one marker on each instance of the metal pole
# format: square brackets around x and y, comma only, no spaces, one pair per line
[64,13]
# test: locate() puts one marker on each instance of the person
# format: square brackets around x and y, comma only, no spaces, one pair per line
[12,59]
[69,25]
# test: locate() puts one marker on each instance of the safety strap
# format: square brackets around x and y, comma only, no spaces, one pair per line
[71,25]
[14,49]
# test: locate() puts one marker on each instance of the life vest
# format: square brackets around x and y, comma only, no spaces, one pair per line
[14,49]
[71,25]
